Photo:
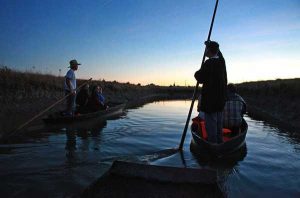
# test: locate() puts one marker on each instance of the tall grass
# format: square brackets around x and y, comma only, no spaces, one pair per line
[16,86]
[277,99]
[287,88]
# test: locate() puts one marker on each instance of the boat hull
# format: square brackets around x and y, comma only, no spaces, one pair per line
[103,115]
[200,146]
[128,179]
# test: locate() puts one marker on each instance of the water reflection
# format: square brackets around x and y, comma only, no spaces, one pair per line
[84,135]
[280,128]
[67,161]
[225,162]
[225,166]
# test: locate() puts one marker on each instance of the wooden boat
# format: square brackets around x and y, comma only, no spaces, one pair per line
[202,146]
[129,179]
[102,114]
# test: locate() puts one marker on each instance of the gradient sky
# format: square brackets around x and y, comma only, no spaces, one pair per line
[151,41]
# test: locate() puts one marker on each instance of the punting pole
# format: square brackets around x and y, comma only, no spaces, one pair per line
[42,112]
[197,85]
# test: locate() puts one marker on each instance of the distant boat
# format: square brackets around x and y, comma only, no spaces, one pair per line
[56,118]
[200,145]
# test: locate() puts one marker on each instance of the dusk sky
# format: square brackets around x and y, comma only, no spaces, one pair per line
[151,41]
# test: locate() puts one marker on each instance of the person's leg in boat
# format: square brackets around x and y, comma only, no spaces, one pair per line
[211,127]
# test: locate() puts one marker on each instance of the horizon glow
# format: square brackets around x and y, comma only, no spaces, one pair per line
[160,42]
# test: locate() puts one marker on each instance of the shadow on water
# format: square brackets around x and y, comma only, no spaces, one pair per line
[224,162]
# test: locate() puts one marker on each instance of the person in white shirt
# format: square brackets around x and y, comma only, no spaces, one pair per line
[70,88]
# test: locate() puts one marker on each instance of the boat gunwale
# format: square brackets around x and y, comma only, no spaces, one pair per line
[218,148]
[81,117]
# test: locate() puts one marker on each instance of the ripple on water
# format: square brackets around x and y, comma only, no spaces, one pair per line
[67,161]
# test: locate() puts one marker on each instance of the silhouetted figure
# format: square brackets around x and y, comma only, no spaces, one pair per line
[213,76]
[235,108]
[70,88]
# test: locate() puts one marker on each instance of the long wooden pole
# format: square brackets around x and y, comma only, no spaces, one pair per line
[42,112]
[197,85]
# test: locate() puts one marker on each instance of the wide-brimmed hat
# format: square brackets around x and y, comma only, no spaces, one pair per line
[74,62]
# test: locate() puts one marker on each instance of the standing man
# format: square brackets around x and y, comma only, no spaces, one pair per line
[70,87]
[213,76]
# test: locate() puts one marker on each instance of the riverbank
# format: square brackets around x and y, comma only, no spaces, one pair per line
[24,94]
[274,101]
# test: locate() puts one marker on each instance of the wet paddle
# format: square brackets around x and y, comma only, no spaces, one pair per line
[14,132]
[197,85]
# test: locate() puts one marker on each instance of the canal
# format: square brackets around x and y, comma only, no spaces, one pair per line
[63,160]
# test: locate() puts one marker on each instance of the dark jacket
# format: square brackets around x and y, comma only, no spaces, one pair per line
[213,76]
[82,97]
[94,102]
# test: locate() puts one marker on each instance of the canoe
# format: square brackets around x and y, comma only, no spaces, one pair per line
[130,179]
[201,146]
[102,114]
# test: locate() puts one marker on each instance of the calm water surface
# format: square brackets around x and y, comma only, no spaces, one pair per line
[63,162]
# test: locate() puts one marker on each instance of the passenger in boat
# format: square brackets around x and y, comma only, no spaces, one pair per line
[70,88]
[97,101]
[235,108]
[213,76]
[82,99]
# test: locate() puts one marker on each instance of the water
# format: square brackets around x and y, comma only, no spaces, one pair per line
[63,162]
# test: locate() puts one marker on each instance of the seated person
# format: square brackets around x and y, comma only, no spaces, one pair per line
[232,118]
[96,101]
[235,108]
[82,99]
